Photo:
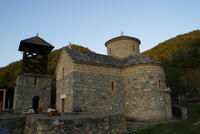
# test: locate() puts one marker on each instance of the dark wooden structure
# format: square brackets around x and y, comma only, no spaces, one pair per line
[6,97]
[35,55]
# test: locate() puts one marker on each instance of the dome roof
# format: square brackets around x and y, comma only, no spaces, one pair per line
[122,38]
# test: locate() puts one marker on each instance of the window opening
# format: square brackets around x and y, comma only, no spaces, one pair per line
[35,80]
[110,50]
[35,103]
[62,105]
[112,85]
[63,72]
[159,83]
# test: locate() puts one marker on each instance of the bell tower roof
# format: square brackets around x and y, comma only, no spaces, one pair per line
[35,41]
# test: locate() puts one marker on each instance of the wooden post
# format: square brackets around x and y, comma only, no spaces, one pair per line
[4,98]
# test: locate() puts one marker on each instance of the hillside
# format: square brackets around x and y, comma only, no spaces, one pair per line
[180,57]
[9,73]
[167,48]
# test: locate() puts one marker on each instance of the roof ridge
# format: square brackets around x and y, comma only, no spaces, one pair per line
[96,58]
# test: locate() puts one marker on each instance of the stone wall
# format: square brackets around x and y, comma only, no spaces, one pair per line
[11,121]
[74,87]
[28,86]
[65,65]
[64,93]
[68,123]
[14,125]
[75,124]
[139,90]
[144,96]
[97,93]
[90,92]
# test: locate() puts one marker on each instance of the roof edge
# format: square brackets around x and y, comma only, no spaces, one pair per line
[118,67]
[122,38]
[32,41]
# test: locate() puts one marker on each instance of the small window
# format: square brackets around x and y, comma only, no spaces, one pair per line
[63,72]
[110,50]
[35,80]
[159,83]
[112,85]
[62,105]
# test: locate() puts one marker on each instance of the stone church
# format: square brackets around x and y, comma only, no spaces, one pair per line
[95,93]
[122,82]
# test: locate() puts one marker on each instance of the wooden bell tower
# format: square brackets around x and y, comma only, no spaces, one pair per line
[35,55]
[33,85]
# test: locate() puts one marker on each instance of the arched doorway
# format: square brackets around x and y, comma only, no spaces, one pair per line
[35,105]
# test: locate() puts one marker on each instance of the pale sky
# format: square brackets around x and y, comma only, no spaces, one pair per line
[91,23]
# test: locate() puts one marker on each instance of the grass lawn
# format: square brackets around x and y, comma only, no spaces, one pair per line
[178,127]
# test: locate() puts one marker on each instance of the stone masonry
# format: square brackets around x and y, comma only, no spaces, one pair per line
[118,47]
[75,124]
[70,123]
[144,95]
[124,82]
[30,85]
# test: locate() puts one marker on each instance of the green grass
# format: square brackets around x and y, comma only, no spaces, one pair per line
[178,127]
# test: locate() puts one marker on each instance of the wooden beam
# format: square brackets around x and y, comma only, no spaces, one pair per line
[4,99]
